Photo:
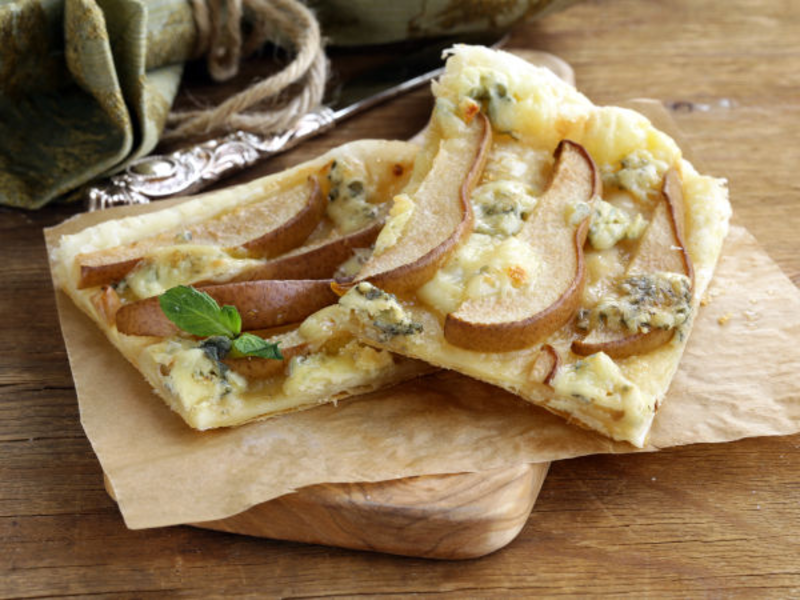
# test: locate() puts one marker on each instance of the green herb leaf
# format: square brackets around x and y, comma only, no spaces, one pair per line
[248,344]
[231,318]
[198,313]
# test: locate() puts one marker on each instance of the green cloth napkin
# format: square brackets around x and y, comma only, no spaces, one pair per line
[86,85]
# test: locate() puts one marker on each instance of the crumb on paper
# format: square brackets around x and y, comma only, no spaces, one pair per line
[752,315]
[710,294]
[723,320]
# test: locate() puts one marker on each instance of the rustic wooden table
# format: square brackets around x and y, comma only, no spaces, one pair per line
[706,520]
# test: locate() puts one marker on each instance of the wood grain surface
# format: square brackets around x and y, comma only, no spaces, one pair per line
[701,521]
[458,516]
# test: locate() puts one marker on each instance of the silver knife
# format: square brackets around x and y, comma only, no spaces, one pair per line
[190,169]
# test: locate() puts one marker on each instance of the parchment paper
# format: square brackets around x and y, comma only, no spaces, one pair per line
[738,378]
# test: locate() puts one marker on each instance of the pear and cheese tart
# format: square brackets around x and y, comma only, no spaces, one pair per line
[543,244]
[270,249]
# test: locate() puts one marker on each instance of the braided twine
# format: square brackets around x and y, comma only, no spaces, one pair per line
[261,108]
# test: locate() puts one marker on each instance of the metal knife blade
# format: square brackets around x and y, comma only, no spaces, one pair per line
[401,75]
[191,169]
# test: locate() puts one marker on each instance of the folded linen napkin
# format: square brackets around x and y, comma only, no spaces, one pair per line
[86,85]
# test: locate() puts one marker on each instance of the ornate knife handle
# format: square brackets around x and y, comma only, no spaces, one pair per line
[193,168]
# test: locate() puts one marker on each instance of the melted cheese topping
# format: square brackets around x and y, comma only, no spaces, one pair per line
[492,262]
[646,302]
[323,326]
[182,264]
[352,265]
[603,269]
[483,266]
[511,160]
[500,207]
[402,209]
[193,379]
[598,382]
[322,373]
[638,173]
[385,312]
[349,205]
[531,111]
[540,110]
[610,224]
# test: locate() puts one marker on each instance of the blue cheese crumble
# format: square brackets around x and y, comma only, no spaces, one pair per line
[349,205]
[639,173]
[501,207]
[643,303]
[386,313]
[167,267]
[610,224]
[192,376]
[607,400]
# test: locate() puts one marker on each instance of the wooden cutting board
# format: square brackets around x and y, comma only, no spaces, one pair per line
[458,516]
[453,516]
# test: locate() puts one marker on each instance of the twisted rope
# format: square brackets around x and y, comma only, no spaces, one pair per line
[287,23]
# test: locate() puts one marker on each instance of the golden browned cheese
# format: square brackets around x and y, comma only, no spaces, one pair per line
[514,301]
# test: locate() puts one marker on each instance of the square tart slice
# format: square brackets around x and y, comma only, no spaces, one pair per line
[544,244]
[270,248]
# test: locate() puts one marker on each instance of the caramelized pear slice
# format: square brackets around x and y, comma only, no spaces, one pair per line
[267,227]
[441,218]
[261,304]
[107,302]
[293,232]
[622,347]
[661,249]
[95,271]
[291,344]
[525,316]
[320,262]
[252,367]
[546,364]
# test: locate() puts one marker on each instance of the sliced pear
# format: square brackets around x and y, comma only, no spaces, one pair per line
[320,262]
[107,302]
[661,249]
[545,366]
[261,304]
[252,367]
[294,231]
[523,317]
[94,271]
[442,215]
[622,347]
[291,344]
[268,227]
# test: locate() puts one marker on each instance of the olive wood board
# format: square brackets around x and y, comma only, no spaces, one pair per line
[452,516]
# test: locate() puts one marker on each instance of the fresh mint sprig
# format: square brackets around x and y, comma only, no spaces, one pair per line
[199,314]
[248,344]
